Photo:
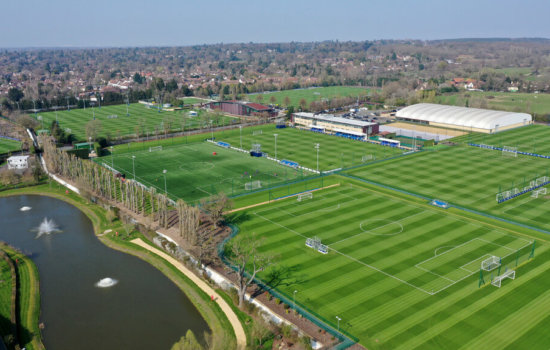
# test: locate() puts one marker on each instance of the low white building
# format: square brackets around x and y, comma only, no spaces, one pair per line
[18,162]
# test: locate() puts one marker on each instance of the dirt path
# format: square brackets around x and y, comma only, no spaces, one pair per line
[231,316]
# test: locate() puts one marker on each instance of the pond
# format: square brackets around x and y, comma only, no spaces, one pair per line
[134,307]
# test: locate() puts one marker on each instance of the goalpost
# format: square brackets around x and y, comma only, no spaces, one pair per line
[366,158]
[257,132]
[155,148]
[305,195]
[253,185]
[491,263]
[509,151]
[511,274]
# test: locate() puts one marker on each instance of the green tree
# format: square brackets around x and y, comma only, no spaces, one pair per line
[172,85]
[188,342]
[15,94]
[138,78]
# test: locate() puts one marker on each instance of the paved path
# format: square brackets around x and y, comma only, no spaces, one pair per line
[231,316]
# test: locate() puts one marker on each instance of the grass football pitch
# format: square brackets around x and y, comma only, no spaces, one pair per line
[310,95]
[7,145]
[508,101]
[469,177]
[532,139]
[299,146]
[144,120]
[194,172]
[402,274]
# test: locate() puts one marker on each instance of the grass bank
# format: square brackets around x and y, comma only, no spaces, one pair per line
[213,315]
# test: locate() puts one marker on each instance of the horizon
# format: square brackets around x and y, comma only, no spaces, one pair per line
[125,23]
[479,39]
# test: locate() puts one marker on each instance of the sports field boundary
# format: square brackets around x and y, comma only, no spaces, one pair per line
[472,211]
[345,340]
[280,198]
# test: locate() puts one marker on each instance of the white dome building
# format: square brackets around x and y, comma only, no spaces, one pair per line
[463,118]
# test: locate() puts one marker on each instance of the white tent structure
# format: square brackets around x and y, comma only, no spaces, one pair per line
[463,118]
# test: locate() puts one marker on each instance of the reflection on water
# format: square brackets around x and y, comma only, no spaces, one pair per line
[144,310]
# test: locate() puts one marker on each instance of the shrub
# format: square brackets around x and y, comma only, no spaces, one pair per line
[277,301]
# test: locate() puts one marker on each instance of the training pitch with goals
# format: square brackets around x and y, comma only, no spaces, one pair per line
[400,273]
[199,170]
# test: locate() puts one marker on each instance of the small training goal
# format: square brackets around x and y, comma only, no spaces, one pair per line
[257,132]
[508,151]
[155,148]
[315,243]
[497,281]
[305,195]
[253,185]
[491,263]
[367,158]
[536,193]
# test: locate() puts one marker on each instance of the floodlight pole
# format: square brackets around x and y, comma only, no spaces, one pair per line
[339,319]
[127,104]
[133,165]
[67,98]
[34,105]
[294,300]
[275,145]
[212,129]
[317,148]
[241,135]
[164,173]
[112,163]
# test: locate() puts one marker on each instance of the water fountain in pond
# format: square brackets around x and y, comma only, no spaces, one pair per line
[106,282]
[46,227]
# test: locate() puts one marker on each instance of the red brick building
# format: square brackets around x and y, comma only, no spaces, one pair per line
[242,108]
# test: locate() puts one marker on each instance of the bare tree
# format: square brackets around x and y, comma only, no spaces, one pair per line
[216,205]
[93,128]
[244,253]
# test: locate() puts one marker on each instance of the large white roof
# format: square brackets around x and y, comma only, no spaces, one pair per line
[462,116]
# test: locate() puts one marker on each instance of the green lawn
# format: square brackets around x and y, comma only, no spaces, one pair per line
[469,177]
[310,95]
[7,145]
[193,100]
[299,146]
[6,284]
[194,172]
[532,139]
[144,120]
[507,101]
[402,274]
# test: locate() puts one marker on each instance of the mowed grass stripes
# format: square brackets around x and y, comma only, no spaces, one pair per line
[142,120]
[299,146]
[470,177]
[532,139]
[399,275]
[194,172]
[7,145]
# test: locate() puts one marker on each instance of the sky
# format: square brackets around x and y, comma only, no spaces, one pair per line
[128,23]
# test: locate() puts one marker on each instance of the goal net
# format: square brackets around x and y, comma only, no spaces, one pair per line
[367,157]
[508,151]
[490,264]
[536,193]
[497,281]
[253,185]
[257,132]
[155,148]
[306,195]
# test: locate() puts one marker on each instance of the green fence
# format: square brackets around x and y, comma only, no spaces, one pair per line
[344,340]
[511,261]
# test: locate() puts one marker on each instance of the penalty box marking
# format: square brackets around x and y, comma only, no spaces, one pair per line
[418,265]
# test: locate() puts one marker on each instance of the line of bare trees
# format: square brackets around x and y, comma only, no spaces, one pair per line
[132,195]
